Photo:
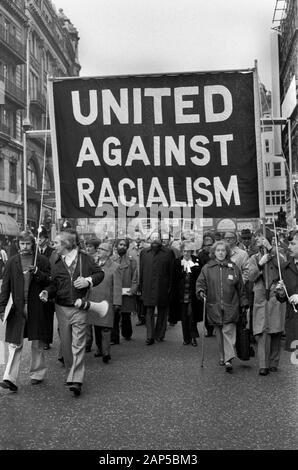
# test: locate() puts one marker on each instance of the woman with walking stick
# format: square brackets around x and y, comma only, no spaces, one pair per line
[220,282]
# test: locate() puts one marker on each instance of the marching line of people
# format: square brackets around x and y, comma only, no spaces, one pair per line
[232,281]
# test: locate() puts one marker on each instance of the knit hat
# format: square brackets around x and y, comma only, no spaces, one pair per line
[245,234]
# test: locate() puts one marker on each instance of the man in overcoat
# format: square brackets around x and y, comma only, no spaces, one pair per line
[46,250]
[289,271]
[24,281]
[156,277]
[268,313]
[128,269]
[109,289]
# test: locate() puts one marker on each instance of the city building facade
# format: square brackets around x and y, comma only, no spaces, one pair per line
[39,42]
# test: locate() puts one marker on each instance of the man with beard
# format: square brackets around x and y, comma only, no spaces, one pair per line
[129,275]
[24,281]
[156,277]
[204,257]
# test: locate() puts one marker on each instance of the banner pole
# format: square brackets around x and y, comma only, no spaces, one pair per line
[54,146]
[260,163]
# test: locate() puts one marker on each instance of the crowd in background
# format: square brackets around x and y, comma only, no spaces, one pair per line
[231,276]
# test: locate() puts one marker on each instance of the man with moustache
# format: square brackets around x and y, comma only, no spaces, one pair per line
[127,266]
[24,281]
[156,277]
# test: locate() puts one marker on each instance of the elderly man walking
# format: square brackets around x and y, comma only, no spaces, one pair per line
[156,277]
[72,275]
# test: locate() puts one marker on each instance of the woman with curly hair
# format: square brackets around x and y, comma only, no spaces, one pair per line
[220,282]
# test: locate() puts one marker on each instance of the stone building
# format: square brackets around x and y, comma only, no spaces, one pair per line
[38,41]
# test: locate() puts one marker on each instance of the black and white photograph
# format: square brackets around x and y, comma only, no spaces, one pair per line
[148,231]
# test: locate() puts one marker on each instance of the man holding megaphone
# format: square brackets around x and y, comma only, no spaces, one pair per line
[73,273]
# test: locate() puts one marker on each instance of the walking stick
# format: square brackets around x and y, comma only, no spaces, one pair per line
[203,338]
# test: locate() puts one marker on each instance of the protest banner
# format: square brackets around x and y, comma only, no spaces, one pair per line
[179,141]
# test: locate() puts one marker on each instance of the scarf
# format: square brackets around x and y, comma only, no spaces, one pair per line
[187,265]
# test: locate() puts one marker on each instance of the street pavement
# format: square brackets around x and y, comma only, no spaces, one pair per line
[153,397]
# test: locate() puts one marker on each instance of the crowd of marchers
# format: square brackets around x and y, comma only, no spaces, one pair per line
[250,277]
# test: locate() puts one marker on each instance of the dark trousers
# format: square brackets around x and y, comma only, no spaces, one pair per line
[158,330]
[126,326]
[189,326]
[140,309]
[209,327]
[103,339]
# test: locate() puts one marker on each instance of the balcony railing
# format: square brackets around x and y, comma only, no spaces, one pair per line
[13,43]
[14,92]
[37,99]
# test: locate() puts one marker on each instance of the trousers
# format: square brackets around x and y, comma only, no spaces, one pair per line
[72,330]
[226,340]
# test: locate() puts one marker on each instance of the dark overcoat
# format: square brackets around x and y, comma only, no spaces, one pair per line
[290,278]
[156,276]
[49,307]
[179,284]
[128,269]
[37,325]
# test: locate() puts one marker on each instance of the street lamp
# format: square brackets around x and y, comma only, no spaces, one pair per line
[279,121]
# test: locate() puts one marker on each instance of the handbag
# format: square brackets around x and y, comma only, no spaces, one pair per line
[242,340]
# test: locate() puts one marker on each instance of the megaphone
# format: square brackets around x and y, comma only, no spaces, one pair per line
[98,307]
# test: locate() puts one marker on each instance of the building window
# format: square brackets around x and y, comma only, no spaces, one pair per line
[268,198]
[278,198]
[47,181]
[276,169]
[2,179]
[31,175]
[12,177]
[267,169]
[267,146]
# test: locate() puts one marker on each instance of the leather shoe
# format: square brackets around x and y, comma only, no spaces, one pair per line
[36,381]
[9,384]
[61,359]
[106,358]
[264,371]
[76,388]
[185,343]
[47,346]
[149,341]
[194,342]
[273,369]
[114,342]
[221,362]
[229,366]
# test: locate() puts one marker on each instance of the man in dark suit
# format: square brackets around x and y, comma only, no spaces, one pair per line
[24,280]
[46,250]
[156,275]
